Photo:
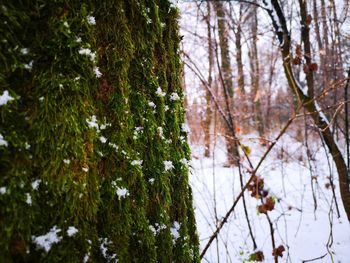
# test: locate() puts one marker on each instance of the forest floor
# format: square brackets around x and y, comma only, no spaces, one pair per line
[305,217]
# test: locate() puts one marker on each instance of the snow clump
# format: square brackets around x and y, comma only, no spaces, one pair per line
[88,52]
[174,96]
[168,165]
[48,240]
[160,92]
[185,128]
[122,192]
[137,162]
[91,20]
[5,98]
[35,184]
[3,142]
[3,190]
[71,231]
[175,230]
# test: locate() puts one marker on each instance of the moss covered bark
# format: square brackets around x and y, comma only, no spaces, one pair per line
[93,150]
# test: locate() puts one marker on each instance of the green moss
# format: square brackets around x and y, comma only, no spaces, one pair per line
[72,136]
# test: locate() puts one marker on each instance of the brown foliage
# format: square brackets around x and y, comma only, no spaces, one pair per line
[308,20]
[278,251]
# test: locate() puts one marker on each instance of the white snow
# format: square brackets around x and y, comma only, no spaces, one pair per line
[152,229]
[321,114]
[27,146]
[185,162]
[103,139]
[85,169]
[28,199]
[3,142]
[304,89]
[160,132]
[28,65]
[185,128]
[160,92]
[3,190]
[269,6]
[168,165]
[175,230]
[91,20]
[88,52]
[35,184]
[137,162]
[174,96]
[66,161]
[86,258]
[71,231]
[152,104]
[97,72]
[104,249]
[285,171]
[138,129]
[24,51]
[5,98]
[92,122]
[122,192]
[48,240]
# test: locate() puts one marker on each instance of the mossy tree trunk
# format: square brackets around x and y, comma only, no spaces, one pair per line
[93,150]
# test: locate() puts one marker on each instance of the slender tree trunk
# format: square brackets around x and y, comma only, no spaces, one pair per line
[272,69]
[242,96]
[208,110]
[325,50]
[255,74]
[323,66]
[226,73]
[338,71]
[305,38]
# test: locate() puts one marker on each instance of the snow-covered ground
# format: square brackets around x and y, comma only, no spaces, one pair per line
[306,233]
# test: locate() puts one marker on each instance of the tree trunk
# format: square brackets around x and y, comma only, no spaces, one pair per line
[255,74]
[226,77]
[240,71]
[93,168]
[323,66]
[208,110]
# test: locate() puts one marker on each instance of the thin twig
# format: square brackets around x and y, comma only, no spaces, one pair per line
[314,259]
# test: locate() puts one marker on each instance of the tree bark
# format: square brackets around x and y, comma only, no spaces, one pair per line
[227,83]
[255,73]
[92,166]
[208,110]
[242,96]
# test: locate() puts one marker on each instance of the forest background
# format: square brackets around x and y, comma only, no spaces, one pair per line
[267,105]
